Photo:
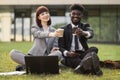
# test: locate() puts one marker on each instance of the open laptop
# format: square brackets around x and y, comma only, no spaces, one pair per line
[42,64]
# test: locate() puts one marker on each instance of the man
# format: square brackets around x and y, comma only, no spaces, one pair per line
[73,44]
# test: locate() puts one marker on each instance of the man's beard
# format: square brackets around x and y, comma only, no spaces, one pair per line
[75,22]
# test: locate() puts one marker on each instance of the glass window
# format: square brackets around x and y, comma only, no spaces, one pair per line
[118,27]
[22,13]
[0,24]
[93,12]
[108,29]
[108,12]
[57,12]
[108,24]
[105,22]
[94,23]
[26,29]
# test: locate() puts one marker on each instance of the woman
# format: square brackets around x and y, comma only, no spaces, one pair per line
[45,38]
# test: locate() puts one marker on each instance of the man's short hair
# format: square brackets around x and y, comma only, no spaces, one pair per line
[77,7]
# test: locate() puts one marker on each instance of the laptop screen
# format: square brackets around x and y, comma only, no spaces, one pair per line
[42,64]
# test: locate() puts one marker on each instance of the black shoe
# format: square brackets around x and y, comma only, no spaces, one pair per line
[95,60]
[79,70]
[99,73]
[20,68]
[84,65]
[96,65]
[86,62]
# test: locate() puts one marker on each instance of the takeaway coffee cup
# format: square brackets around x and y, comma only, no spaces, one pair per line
[60,31]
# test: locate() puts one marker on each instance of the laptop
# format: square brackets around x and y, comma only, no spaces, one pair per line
[42,64]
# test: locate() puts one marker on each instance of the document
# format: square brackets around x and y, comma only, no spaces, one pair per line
[12,73]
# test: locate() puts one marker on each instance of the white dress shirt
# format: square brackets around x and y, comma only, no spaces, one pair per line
[73,41]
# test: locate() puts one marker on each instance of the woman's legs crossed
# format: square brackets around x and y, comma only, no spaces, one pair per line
[17,56]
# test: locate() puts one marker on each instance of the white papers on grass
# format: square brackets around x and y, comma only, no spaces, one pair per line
[13,73]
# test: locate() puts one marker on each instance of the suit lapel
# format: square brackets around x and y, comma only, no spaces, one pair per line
[82,39]
[80,25]
[69,29]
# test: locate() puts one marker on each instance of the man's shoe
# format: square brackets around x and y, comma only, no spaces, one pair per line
[99,73]
[79,70]
[20,68]
[96,65]
[95,60]
[86,62]
[84,65]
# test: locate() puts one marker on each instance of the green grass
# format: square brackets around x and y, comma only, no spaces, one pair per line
[106,51]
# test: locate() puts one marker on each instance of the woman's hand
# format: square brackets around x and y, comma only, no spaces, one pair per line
[59,32]
[54,49]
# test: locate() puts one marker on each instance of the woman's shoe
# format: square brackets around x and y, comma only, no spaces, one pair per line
[20,68]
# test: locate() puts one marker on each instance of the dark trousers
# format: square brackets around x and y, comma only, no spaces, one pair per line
[75,61]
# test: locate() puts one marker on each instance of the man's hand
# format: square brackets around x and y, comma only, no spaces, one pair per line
[71,54]
[80,32]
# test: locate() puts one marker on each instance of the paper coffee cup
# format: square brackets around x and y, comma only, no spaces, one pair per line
[61,31]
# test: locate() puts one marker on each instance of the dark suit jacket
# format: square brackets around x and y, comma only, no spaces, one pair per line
[65,41]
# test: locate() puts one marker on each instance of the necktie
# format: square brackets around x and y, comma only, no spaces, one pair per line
[76,42]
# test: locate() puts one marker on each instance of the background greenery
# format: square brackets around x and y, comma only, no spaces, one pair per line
[106,51]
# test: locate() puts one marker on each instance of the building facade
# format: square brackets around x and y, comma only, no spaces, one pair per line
[17,17]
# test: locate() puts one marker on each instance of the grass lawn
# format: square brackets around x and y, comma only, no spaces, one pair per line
[106,51]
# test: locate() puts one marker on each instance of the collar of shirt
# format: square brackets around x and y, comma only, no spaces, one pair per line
[73,26]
